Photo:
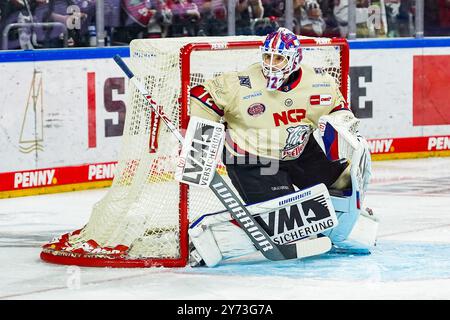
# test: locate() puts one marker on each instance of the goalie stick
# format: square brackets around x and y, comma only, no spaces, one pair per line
[226,195]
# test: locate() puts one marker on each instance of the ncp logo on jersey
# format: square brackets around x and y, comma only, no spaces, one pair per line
[289,116]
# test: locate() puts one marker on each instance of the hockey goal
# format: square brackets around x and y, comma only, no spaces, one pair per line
[143,219]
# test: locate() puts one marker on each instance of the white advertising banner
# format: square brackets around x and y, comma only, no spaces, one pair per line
[386,98]
[60,113]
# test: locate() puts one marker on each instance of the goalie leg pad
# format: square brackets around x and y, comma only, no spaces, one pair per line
[288,219]
[366,229]
[232,240]
[362,237]
[347,221]
[357,229]
[218,242]
[206,245]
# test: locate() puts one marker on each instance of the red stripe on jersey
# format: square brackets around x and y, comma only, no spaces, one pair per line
[292,84]
[342,106]
[334,150]
[200,93]
[297,81]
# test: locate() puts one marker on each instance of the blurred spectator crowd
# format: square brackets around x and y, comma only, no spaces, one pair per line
[26,24]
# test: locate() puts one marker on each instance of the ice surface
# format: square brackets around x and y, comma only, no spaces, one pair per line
[411,260]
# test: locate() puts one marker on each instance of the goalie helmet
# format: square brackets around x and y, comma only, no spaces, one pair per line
[280,57]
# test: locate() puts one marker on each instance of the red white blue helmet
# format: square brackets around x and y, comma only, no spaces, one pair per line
[286,44]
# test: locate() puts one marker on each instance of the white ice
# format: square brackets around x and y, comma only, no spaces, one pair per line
[411,260]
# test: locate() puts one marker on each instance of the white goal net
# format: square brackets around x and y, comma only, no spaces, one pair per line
[145,209]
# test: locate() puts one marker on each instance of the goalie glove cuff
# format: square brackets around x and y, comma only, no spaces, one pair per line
[339,135]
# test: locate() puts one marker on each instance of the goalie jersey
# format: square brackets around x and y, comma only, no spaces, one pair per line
[270,124]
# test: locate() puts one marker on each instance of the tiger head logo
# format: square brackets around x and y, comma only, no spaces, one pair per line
[296,141]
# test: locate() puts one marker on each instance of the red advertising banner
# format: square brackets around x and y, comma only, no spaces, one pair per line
[39,180]
[394,148]
[431,104]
